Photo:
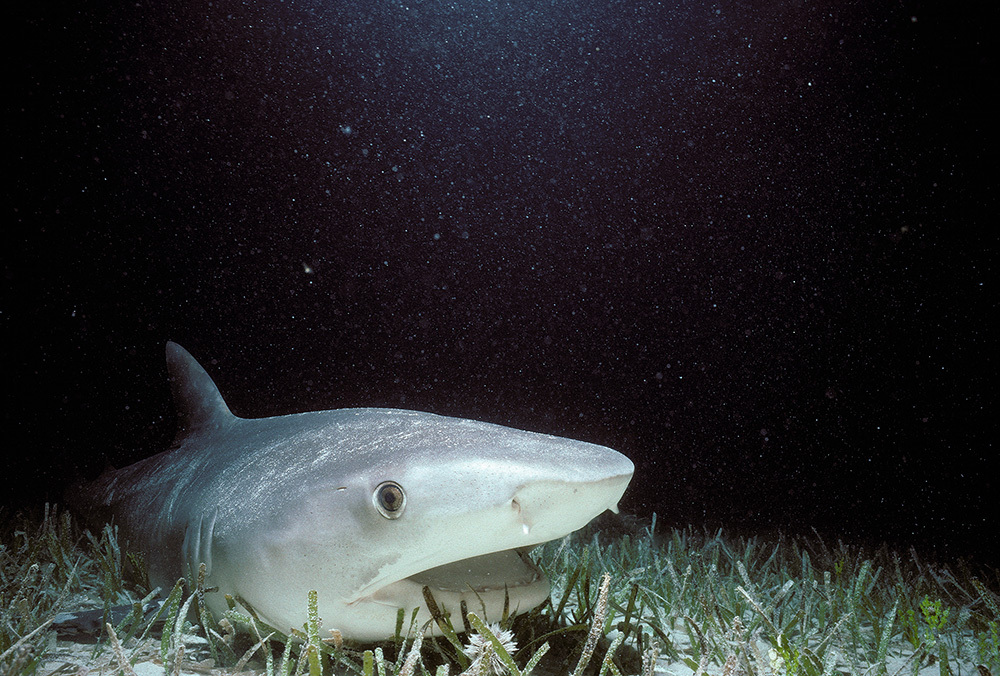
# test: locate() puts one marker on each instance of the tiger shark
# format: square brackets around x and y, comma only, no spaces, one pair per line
[366,506]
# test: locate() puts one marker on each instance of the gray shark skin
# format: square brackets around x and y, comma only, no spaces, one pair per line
[366,506]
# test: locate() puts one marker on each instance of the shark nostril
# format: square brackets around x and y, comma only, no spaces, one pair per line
[516,506]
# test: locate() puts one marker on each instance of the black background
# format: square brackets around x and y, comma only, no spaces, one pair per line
[750,245]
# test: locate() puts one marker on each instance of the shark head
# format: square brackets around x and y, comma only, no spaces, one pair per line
[418,500]
[365,506]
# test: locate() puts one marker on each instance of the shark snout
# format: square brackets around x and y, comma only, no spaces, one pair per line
[551,509]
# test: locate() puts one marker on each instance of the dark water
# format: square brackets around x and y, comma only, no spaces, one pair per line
[744,243]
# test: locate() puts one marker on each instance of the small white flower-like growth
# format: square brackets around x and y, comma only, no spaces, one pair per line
[483,655]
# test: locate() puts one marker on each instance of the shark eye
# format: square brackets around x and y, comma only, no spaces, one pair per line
[389,499]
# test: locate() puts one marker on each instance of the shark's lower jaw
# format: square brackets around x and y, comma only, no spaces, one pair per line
[484,583]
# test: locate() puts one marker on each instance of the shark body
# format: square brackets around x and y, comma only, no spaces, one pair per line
[366,506]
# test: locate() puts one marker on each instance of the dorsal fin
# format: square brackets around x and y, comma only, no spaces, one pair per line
[199,403]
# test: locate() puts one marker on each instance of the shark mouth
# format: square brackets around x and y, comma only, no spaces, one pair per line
[508,569]
[482,582]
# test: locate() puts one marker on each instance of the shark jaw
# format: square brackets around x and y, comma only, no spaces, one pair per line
[485,584]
